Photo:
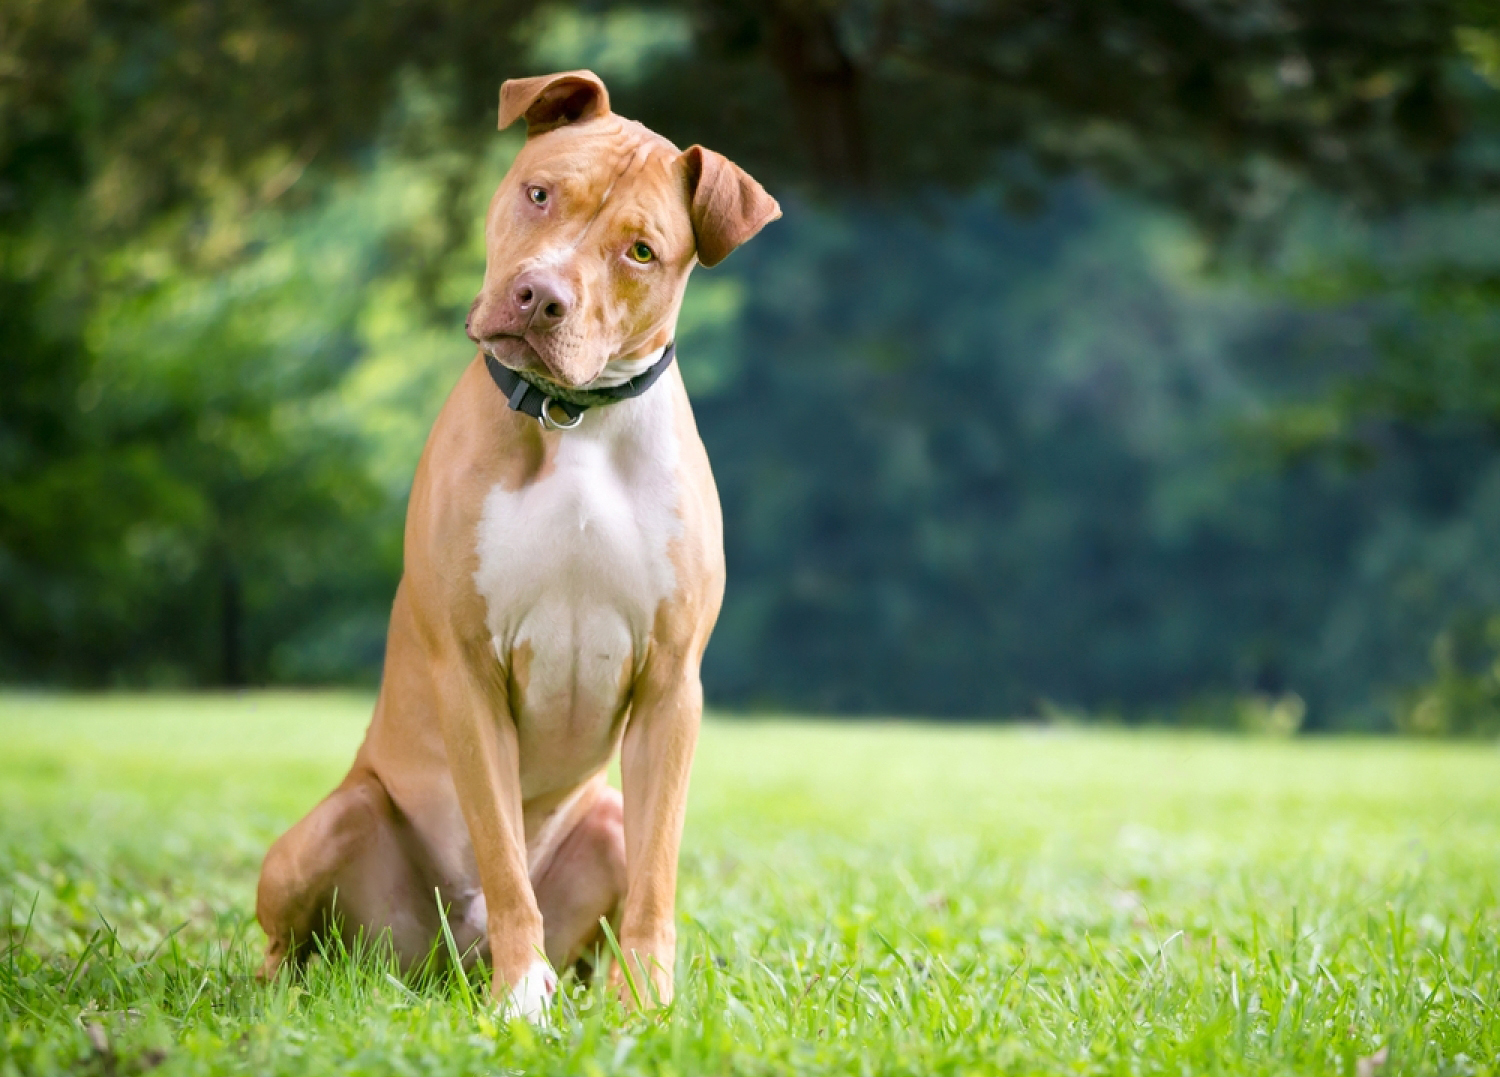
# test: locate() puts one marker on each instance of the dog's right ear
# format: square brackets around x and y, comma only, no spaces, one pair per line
[551,101]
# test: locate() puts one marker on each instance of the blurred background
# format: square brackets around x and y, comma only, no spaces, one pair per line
[1127,359]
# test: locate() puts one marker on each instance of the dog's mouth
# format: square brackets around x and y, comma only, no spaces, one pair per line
[515,351]
[519,354]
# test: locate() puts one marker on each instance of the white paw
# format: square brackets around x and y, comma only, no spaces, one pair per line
[532,995]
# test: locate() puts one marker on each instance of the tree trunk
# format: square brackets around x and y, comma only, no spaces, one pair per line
[824,86]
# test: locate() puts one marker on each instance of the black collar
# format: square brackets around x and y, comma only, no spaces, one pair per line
[542,401]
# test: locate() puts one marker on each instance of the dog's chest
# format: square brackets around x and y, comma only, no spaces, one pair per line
[573,567]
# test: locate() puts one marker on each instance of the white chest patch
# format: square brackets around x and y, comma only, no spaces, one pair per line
[572,568]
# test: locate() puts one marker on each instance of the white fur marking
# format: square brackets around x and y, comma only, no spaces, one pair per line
[476,918]
[552,258]
[575,564]
[532,995]
[619,371]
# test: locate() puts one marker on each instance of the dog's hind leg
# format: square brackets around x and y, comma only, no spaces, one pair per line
[583,879]
[345,870]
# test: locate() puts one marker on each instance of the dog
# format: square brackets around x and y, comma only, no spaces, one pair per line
[564,567]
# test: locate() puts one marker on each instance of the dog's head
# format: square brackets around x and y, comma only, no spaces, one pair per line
[590,239]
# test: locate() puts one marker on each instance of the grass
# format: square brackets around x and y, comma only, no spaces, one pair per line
[872,898]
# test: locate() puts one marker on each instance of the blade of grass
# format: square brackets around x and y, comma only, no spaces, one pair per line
[625,970]
[466,989]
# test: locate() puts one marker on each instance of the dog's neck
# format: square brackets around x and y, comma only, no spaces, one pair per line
[624,422]
[619,371]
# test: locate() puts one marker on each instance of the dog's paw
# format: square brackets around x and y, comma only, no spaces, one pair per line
[531,997]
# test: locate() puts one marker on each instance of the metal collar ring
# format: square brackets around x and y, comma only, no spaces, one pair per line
[549,423]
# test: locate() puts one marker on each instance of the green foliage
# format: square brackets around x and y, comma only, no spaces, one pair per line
[972,464]
[951,485]
[877,899]
[1018,464]
[1464,696]
[1223,110]
[222,498]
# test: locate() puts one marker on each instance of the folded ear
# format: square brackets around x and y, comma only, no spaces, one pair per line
[549,101]
[728,207]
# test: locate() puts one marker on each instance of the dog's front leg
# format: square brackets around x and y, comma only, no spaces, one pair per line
[479,734]
[654,762]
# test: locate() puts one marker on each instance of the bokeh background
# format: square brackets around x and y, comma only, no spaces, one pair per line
[1135,360]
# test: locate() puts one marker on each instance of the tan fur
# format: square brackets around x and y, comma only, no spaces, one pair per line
[481,775]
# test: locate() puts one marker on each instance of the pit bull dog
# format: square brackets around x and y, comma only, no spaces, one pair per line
[563,570]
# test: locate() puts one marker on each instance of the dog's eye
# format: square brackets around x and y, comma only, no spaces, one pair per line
[537,195]
[641,253]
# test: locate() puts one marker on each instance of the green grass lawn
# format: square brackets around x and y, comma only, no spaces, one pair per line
[857,898]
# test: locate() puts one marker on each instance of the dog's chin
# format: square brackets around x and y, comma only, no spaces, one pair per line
[522,356]
[515,353]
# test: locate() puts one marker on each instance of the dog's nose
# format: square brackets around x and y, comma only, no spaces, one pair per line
[542,299]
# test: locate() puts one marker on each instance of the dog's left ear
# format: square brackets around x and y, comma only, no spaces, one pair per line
[727,206]
[550,101]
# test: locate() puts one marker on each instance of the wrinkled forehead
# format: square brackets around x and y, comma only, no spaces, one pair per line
[612,164]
